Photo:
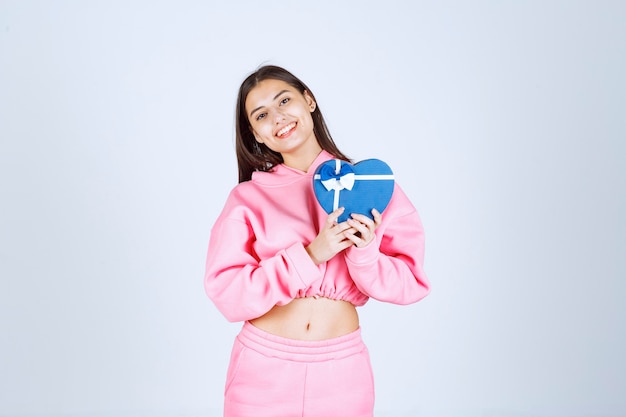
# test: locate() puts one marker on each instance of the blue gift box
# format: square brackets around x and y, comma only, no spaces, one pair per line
[358,188]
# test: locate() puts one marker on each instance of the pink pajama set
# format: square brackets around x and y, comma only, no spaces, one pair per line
[257,259]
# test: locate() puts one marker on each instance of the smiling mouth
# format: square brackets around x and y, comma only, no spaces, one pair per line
[286,130]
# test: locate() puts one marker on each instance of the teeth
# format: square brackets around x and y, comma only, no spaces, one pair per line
[286,129]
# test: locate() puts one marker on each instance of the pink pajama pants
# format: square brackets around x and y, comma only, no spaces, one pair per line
[271,376]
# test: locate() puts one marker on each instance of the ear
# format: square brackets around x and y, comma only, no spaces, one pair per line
[309,100]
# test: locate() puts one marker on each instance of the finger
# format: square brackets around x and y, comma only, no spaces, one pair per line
[363,219]
[353,239]
[341,236]
[340,227]
[377,217]
[362,228]
[331,220]
[343,245]
[342,241]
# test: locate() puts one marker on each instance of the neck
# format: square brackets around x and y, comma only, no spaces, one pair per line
[303,160]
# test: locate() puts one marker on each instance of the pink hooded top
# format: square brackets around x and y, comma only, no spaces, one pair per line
[257,258]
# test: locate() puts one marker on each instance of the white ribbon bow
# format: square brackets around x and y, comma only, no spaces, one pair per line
[344,182]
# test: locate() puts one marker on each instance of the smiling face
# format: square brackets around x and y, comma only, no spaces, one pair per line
[280,117]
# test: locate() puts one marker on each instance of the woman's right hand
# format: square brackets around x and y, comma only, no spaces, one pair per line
[331,239]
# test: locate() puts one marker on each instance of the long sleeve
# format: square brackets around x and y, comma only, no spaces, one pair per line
[390,268]
[244,287]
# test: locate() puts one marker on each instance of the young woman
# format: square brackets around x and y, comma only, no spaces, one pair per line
[292,273]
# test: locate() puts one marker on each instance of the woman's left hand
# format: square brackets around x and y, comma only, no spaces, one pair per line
[362,231]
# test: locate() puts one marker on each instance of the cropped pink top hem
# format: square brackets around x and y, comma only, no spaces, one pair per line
[257,257]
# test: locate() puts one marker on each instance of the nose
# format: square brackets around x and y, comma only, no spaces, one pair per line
[279,117]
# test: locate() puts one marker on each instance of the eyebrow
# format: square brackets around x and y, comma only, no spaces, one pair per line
[275,97]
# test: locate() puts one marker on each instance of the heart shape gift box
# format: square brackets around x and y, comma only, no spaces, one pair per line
[358,188]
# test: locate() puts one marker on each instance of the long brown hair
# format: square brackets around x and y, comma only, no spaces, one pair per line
[254,156]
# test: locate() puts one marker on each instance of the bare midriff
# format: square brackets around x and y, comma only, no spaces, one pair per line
[310,318]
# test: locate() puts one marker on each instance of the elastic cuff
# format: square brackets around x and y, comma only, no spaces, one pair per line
[302,262]
[363,256]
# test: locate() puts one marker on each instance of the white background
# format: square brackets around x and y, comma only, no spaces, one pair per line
[504,122]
